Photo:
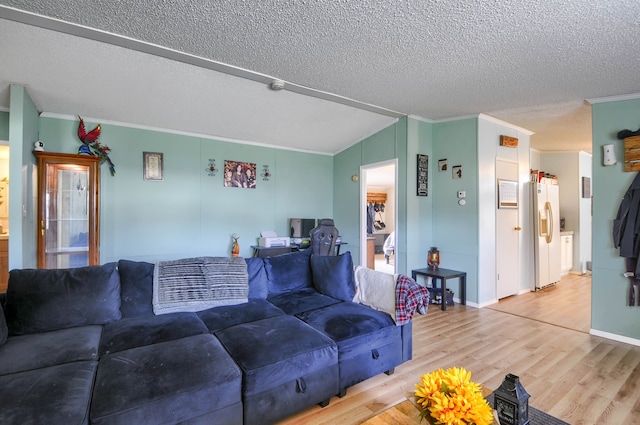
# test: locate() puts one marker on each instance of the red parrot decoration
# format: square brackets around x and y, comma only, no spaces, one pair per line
[90,141]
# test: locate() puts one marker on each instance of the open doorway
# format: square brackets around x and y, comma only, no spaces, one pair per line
[378,206]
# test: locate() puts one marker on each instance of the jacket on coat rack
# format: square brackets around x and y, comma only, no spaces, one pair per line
[626,228]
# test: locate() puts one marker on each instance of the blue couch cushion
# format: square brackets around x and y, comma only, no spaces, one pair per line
[258,280]
[295,302]
[146,330]
[289,272]
[136,287]
[223,317]
[333,275]
[40,300]
[35,351]
[4,331]
[368,341]
[168,382]
[345,322]
[276,350]
[53,395]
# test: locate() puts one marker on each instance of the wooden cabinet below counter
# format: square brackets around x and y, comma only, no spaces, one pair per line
[4,264]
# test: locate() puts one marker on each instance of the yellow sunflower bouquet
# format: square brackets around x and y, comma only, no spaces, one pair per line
[448,397]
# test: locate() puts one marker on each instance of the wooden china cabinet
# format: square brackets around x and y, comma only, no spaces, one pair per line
[68,210]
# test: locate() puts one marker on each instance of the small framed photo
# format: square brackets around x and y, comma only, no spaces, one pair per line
[456,170]
[240,174]
[152,166]
[442,165]
[422,180]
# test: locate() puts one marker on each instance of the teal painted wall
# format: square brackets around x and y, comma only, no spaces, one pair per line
[385,145]
[346,201]
[609,310]
[401,141]
[455,228]
[190,213]
[23,131]
[419,217]
[4,125]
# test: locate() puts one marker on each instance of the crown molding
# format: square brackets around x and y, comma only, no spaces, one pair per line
[103,122]
[507,124]
[617,98]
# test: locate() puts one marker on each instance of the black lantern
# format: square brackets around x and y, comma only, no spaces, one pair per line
[511,401]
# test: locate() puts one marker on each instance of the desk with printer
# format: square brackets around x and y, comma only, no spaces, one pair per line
[280,248]
[270,244]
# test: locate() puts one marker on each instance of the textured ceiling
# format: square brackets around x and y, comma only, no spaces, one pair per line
[528,62]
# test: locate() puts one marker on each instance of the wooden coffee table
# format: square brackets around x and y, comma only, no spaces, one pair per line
[408,413]
[405,413]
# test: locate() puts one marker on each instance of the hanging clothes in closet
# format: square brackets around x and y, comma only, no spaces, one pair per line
[375,208]
[371,216]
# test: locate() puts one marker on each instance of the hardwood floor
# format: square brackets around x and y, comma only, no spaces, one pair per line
[566,304]
[577,377]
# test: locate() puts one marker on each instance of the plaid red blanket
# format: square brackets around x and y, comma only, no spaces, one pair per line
[410,297]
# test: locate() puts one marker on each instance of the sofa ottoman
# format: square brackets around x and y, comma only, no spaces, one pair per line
[169,382]
[286,364]
[368,340]
[53,395]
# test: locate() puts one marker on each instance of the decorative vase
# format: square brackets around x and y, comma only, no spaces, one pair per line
[235,246]
[433,260]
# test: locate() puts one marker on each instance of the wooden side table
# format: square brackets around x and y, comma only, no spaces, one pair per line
[442,275]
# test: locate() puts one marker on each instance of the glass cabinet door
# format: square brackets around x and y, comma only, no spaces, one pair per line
[67,210]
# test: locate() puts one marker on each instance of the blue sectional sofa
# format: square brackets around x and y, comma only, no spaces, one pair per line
[83,346]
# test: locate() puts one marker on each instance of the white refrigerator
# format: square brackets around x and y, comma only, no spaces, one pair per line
[546,224]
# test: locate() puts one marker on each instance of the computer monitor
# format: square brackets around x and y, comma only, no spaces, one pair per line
[300,227]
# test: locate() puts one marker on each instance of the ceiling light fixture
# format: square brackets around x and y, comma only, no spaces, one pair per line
[277,85]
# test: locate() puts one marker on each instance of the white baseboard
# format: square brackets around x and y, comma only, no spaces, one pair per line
[615,337]
[484,304]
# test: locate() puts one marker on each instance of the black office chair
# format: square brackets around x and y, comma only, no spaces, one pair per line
[323,237]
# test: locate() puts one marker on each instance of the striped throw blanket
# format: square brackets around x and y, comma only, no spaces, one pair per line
[195,284]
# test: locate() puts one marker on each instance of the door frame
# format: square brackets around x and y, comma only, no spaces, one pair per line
[364,169]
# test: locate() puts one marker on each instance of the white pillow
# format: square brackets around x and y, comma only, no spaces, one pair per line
[376,290]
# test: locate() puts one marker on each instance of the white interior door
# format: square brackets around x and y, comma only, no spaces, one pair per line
[507,236]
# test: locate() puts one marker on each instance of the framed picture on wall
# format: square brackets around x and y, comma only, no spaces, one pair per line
[423,175]
[152,166]
[239,174]
[456,171]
